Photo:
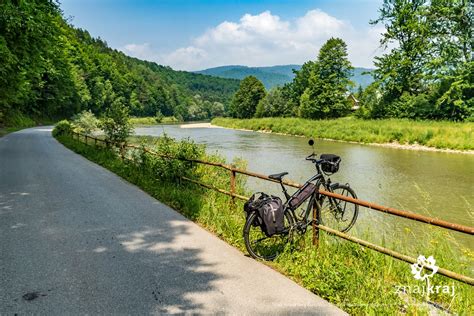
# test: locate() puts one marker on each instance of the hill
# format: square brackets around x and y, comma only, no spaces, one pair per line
[276,75]
[52,69]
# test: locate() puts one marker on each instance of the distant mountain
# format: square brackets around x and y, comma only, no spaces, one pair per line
[277,75]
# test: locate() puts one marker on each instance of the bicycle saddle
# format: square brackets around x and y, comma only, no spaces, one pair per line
[278,176]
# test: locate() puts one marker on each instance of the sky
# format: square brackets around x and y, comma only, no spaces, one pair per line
[199,34]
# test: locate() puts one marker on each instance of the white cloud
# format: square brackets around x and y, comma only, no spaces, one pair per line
[142,51]
[266,39]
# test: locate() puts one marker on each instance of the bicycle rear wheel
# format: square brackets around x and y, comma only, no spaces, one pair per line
[259,245]
[338,214]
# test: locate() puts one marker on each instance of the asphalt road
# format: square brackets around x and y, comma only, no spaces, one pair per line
[77,239]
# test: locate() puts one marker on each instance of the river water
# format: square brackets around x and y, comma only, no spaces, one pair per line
[436,184]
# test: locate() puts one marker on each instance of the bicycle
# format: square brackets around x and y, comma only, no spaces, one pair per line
[334,213]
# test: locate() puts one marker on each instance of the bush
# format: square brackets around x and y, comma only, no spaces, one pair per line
[159,117]
[85,122]
[63,127]
[116,123]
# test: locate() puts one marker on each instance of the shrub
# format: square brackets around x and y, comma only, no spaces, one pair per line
[85,122]
[159,116]
[63,127]
[116,123]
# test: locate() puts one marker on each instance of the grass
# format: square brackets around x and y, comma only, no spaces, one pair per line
[16,120]
[437,134]
[149,120]
[358,280]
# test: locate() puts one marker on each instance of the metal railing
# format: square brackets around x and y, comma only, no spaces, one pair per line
[233,171]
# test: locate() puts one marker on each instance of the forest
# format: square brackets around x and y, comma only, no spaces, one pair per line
[50,69]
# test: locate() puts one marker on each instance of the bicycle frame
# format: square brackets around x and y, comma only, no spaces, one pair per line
[313,198]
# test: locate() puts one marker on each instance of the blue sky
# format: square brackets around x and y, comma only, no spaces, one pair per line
[194,35]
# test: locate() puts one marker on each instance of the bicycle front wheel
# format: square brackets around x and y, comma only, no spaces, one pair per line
[259,245]
[338,214]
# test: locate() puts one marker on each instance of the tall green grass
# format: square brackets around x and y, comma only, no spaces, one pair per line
[438,134]
[358,280]
[13,121]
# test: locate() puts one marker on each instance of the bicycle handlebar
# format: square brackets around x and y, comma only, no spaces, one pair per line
[318,161]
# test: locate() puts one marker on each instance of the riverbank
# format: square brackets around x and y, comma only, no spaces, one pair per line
[150,120]
[404,134]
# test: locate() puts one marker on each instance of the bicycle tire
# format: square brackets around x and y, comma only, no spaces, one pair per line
[334,216]
[275,244]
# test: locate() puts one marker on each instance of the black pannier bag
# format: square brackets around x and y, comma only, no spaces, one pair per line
[330,163]
[302,195]
[269,210]
[254,203]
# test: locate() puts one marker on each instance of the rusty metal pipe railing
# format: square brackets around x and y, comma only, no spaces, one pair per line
[394,254]
[205,185]
[405,214]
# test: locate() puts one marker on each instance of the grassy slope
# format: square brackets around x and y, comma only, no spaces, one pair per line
[446,135]
[358,280]
[16,121]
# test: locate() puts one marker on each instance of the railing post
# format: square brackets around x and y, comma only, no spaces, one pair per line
[316,222]
[232,184]
[122,150]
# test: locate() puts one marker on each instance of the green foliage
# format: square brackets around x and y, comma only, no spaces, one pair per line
[326,93]
[158,117]
[62,128]
[401,69]
[153,120]
[456,100]
[116,122]
[429,72]
[85,122]
[170,169]
[274,104]
[51,69]
[300,83]
[438,134]
[245,101]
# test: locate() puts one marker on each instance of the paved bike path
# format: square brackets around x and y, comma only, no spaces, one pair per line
[77,239]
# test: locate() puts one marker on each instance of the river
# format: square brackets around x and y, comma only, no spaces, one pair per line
[437,184]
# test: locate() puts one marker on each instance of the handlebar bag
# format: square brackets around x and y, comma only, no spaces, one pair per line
[331,163]
[301,195]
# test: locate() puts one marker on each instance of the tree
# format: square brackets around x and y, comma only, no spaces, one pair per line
[116,122]
[245,101]
[216,109]
[273,104]
[325,96]
[451,24]
[401,69]
[425,76]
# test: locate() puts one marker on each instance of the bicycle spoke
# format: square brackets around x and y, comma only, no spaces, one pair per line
[259,240]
